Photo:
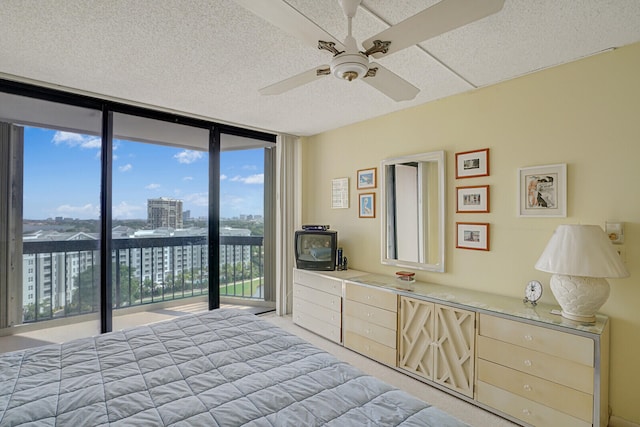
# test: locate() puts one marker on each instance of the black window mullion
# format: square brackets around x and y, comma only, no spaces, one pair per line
[106,305]
[214,219]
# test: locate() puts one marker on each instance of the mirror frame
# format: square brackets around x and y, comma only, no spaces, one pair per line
[439,158]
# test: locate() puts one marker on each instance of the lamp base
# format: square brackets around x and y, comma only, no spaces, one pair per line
[580,297]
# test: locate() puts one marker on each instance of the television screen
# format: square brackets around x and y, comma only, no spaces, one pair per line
[316,250]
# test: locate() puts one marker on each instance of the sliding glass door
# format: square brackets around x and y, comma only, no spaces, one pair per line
[159,215]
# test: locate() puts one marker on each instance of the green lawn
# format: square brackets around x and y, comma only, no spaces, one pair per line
[245,288]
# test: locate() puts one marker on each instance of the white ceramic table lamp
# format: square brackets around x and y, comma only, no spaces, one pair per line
[580,257]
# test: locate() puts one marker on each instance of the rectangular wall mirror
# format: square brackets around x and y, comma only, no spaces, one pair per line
[413,211]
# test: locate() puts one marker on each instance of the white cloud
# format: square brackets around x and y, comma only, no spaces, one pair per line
[76,140]
[187,178]
[188,156]
[254,179]
[123,210]
[223,177]
[197,199]
[152,186]
[251,179]
[85,211]
[125,168]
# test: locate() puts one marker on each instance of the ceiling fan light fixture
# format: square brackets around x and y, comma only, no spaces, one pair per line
[350,66]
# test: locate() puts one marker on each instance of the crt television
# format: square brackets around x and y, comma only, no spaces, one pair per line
[316,250]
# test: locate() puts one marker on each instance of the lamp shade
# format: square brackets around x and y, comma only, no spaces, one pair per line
[581,250]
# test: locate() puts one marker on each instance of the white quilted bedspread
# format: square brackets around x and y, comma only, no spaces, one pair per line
[219,368]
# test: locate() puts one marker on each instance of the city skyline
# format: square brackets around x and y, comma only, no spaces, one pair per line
[141,171]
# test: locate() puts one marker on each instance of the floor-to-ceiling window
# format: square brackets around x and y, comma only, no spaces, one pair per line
[51,217]
[159,213]
[109,207]
[246,220]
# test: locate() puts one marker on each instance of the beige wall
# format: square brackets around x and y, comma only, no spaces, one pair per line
[585,114]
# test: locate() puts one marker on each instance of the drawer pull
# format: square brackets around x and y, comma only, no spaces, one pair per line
[527,362]
[368,314]
[526,411]
[527,387]
[528,338]
[367,331]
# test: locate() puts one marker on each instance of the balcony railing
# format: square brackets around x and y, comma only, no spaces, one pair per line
[62,278]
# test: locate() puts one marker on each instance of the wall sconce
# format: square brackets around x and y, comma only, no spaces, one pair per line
[580,257]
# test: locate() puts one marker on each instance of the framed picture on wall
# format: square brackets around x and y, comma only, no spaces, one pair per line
[472,235]
[472,199]
[367,205]
[340,193]
[367,178]
[543,191]
[471,164]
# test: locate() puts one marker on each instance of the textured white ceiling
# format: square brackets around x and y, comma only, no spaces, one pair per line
[209,57]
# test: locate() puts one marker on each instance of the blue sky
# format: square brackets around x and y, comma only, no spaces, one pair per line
[62,177]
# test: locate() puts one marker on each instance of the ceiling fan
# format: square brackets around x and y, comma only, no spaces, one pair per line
[350,63]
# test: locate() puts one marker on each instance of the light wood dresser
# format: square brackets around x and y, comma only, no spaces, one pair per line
[317,301]
[539,375]
[371,322]
[437,342]
[527,364]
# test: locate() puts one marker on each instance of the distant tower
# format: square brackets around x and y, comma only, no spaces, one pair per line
[164,212]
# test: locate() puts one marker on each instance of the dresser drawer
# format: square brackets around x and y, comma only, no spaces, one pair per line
[552,368]
[331,317]
[326,300]
[548,393]
[370,296]
[321,283]
[374,315]
[334,333]
[370,348]
[376,333]
[557,343]
[526,410]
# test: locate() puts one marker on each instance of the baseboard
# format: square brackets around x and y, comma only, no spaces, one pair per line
[620,422]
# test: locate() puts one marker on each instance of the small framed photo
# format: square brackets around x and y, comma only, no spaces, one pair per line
[367,178]
[367,205]
[472,235]
[340,193]
[542,191]
[472,199]
[471,164]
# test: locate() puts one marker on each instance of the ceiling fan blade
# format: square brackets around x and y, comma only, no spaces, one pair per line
[433,21]
[391,84]
[289,19]
[295,81]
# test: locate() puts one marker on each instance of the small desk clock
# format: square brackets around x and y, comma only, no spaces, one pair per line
[532,292]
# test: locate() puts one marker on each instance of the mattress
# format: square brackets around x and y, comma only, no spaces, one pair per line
[219,368]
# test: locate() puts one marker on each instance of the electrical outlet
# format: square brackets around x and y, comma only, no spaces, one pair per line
[615,232]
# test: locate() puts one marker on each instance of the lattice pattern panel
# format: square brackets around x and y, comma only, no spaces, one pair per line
[454,351]
[416,337]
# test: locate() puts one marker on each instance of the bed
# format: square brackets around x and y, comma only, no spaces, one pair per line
[223,367]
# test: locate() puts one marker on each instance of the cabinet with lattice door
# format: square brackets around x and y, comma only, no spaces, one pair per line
[437,342]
